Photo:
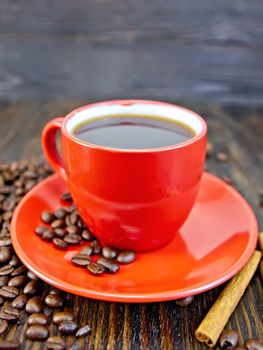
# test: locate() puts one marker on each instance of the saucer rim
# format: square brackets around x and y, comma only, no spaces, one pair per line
[140,297]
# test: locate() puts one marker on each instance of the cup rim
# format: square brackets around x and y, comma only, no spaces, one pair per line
[128,102]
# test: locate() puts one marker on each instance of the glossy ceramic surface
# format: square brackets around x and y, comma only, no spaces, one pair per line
[214,243]
[130,197]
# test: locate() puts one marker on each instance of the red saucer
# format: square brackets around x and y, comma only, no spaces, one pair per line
[213,245]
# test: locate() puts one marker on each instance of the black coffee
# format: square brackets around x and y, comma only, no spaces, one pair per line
[133,132]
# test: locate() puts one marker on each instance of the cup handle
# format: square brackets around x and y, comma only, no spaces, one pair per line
[50,148]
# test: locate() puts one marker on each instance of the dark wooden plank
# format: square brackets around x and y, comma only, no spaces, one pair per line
[237,131]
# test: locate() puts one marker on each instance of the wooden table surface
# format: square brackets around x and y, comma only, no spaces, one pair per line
[236,131]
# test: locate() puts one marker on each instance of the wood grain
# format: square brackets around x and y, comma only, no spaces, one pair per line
[201,50]
[235,130]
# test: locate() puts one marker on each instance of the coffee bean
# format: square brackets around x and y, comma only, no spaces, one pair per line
[3,326]
[96,269]
[239,348]
[47,217]
[86,250]
[73,229]
[53,301]
[6,189]
[72,239]
[37,319]
[67,327]
[9,345]
[109,252]
[5,242]
[80,223]
[83,331]
[9,314]
[253,344]
[48,235]
[31,288]
[222,157]
[60,232]
[95,245]
[37,332]
[87,235]
[19,271]
[2,300]
[47,311]
[56,343]
[66,197]
[62,316]
[32,276]
[17,281]
[59,243]
[8,292]
[14,261]
[3,281]
[20,302]
[126,257]
[55,291]
[34,305]
[110,265]
[5,254]
[185,301]
[58,223]
[81,260]
[228,339]
[40,230]
[61,213]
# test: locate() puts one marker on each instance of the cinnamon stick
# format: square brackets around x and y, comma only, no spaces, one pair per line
[214,322]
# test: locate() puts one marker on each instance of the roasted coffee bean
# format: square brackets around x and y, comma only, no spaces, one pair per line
[73,229]
[3,281]
[55,291]
[47,311]
[62,316]
[60,232]
[37,332]
[40,230]
[185,301]
[67,327]
[58,223]
[6,189]
[48,235]
[5,254]
[95,245]
[37,319]
[59,243]
[31,288]
[239,348]
[109,252]
[126,257]
[9,314]
[14,261]
[8,292]
[81,260]
[110,265]
[5,242]
[20,302]
[80,223]
[83,331]
[86,250]
[72,239]
[56,343]
[222,157]
[34,305]
[19,271]
[17,281]
[32,276]
[253,344]
[96,269]
[228,339]
[10,345]
[54,301]
[66,197]
[3,326]
[7,215]
[87,235]
[61,213]
[47,217]
[2,300]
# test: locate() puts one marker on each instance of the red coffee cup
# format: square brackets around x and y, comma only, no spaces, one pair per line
[130,198]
